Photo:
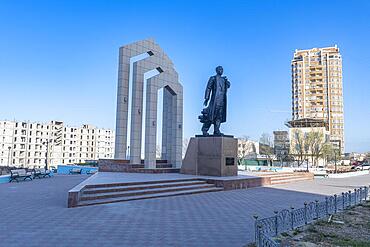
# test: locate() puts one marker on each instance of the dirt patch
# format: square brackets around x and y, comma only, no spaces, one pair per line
[348,228]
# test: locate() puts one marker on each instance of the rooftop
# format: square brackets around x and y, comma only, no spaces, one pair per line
[306,123]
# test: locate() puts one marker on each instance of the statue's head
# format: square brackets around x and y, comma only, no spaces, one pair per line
[219,70]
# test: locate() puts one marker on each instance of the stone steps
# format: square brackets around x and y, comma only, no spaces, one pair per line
[121,192]
[149,196]
[138,187]
[274,174]
[286,177]
[141,183]
[289,180]
[141,192]
[161,166]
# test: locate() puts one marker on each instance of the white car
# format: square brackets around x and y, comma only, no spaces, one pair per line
[320,171]
[365,166]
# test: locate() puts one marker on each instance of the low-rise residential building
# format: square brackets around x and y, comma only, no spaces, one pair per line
[247,148]
[281,143]
[28,144]
[357,156]
[254,152]
[307,137]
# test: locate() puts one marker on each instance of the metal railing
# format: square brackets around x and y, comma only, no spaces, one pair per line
[267,229]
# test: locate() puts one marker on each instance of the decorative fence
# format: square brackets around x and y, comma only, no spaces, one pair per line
[268,228]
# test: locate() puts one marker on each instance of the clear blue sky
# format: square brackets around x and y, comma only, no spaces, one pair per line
[60,57]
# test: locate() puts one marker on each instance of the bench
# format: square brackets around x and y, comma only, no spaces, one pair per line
[89,172]
[321,174]
[75,171]
[41,173]
[18,174]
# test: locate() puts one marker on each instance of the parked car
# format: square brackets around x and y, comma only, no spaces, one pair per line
[53,168]
[354,167]
[320,171]
[364,166]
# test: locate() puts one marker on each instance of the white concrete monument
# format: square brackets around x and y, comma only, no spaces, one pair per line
[144,69]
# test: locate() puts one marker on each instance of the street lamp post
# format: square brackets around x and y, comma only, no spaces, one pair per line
[47,152]
[307,165]
[335,160]
[9,149]
[306,149]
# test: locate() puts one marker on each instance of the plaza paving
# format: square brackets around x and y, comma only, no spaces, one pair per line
[35,214]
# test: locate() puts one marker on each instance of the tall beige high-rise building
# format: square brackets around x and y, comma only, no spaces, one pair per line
[317,89]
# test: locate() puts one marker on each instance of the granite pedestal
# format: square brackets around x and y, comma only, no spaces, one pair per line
[211,156]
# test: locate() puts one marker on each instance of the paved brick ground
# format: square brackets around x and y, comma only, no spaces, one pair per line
[35,214]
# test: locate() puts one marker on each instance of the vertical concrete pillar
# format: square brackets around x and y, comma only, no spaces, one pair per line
[136,114]
[167,125]
[151,124]
[122,104]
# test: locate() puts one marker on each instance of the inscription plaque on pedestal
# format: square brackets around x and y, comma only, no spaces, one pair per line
[229,161]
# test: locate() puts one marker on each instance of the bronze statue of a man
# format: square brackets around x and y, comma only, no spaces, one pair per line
[215,112]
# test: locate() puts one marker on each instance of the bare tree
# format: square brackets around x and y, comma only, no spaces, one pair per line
[268,151]
[266,147]
[316,146]
[309,143]
[368,156]
[246,148]
[266,139]
[327,152]
[308,146]
[299,146]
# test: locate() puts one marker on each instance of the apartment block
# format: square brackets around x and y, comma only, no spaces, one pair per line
[27,144]
[317,89]
[281,143]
